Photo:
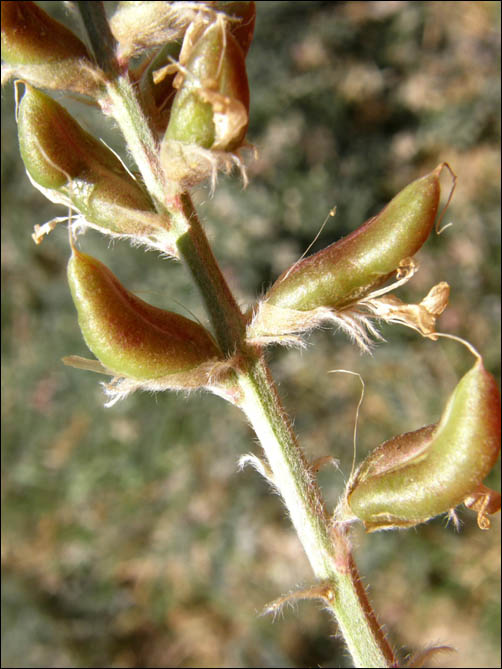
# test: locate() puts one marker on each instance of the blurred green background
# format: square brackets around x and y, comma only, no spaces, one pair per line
[129,537]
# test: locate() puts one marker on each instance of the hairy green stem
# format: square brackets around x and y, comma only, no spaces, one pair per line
[122,104]
[326,546]
[226,317]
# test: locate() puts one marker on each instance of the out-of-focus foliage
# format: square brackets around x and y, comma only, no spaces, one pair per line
[129,538]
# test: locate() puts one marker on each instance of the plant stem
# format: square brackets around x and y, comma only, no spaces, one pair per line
[100,36]
[326,546]
[123,105]
[226,317]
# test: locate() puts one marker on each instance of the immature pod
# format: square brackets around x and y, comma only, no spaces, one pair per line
[156,85]
[73,167]
[418,475]
[350,268]
[44,52]
[132,338]
[211,106]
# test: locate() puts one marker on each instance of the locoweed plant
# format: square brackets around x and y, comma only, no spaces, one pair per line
[172,77]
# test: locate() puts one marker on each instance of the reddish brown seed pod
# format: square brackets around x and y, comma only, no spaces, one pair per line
[129,336]
[44,52]
[74,168]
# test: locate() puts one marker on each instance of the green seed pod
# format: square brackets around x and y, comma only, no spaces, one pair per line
[44,52]
[62,158]
[418,475]
[351,268]
[212,104]
[130,337]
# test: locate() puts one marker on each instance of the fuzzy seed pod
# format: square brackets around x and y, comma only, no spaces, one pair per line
[210,112]
[72,167]
[44,52]
[212,104]
[418,475]
[355,265]
[132,338]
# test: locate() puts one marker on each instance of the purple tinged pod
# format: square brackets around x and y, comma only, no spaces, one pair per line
[130,337]
[39,49]
[349,269]
[418,475]
[61,156]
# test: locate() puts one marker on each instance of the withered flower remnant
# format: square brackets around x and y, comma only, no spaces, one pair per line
[209,115]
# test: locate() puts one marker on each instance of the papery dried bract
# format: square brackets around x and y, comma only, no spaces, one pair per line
[418,475]
[132,338]
[42,51]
